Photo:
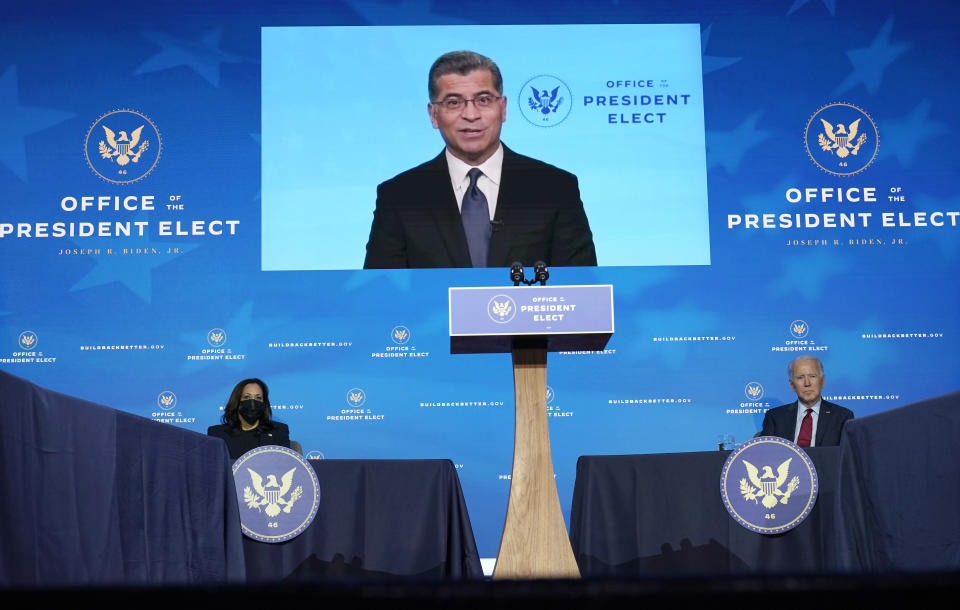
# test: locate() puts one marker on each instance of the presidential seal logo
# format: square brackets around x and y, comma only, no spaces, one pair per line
[753,390]
[400,335]
[217,337]
[356,397]
[278,492]
[550,395]
[841,139]
[799,329]
[545,100]
[769,485]
[501,308]
[166,400]
[316,454]
[122,146]
[28,340]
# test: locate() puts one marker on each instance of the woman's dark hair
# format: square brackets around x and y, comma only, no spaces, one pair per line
[231,415]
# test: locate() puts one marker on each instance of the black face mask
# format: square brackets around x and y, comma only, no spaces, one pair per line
[252,410]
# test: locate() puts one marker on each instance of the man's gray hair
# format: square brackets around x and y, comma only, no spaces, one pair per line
[798,359]
[461,62]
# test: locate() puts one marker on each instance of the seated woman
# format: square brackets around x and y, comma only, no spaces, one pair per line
[247,421]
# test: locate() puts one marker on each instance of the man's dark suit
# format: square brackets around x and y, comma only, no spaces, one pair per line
[539,217]
[782,422]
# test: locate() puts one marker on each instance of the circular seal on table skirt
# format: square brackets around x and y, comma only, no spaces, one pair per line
[769,485]
[278,493]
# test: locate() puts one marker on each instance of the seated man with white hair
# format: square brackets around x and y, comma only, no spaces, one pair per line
[819,423]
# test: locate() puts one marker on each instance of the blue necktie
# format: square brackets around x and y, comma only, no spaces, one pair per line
[476,220]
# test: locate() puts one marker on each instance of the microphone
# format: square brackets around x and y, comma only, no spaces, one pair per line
[516,273]
[496,224]
[540,273]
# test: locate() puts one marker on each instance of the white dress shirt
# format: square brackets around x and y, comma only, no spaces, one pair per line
[488,183]
[814,416]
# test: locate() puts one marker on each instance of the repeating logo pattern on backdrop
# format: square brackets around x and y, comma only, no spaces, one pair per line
[356,397]
[400,334]
[841,139]
[753,390]
[122,146]
[28,340]
[799,329]
[166,400]
[278,492]
[217,337]
[769,485]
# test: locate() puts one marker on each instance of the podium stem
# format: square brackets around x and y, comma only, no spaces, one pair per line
[535,542]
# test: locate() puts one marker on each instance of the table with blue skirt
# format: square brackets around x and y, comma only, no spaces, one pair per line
[642,515]
[380,519]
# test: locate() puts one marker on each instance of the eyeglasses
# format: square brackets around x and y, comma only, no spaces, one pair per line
[456,104]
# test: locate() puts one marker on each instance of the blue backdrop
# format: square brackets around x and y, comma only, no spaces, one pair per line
[165,306]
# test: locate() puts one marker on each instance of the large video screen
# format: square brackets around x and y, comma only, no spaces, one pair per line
[345,108]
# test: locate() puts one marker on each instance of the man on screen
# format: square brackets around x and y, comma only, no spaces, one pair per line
[477,204]
[818,423]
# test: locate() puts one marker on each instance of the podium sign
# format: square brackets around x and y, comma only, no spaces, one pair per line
[488,319]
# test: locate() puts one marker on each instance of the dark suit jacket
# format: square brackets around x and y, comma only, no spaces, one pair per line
[539,217]
[239,442]
[782,422]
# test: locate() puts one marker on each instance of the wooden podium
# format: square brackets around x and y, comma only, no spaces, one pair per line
[529,322]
